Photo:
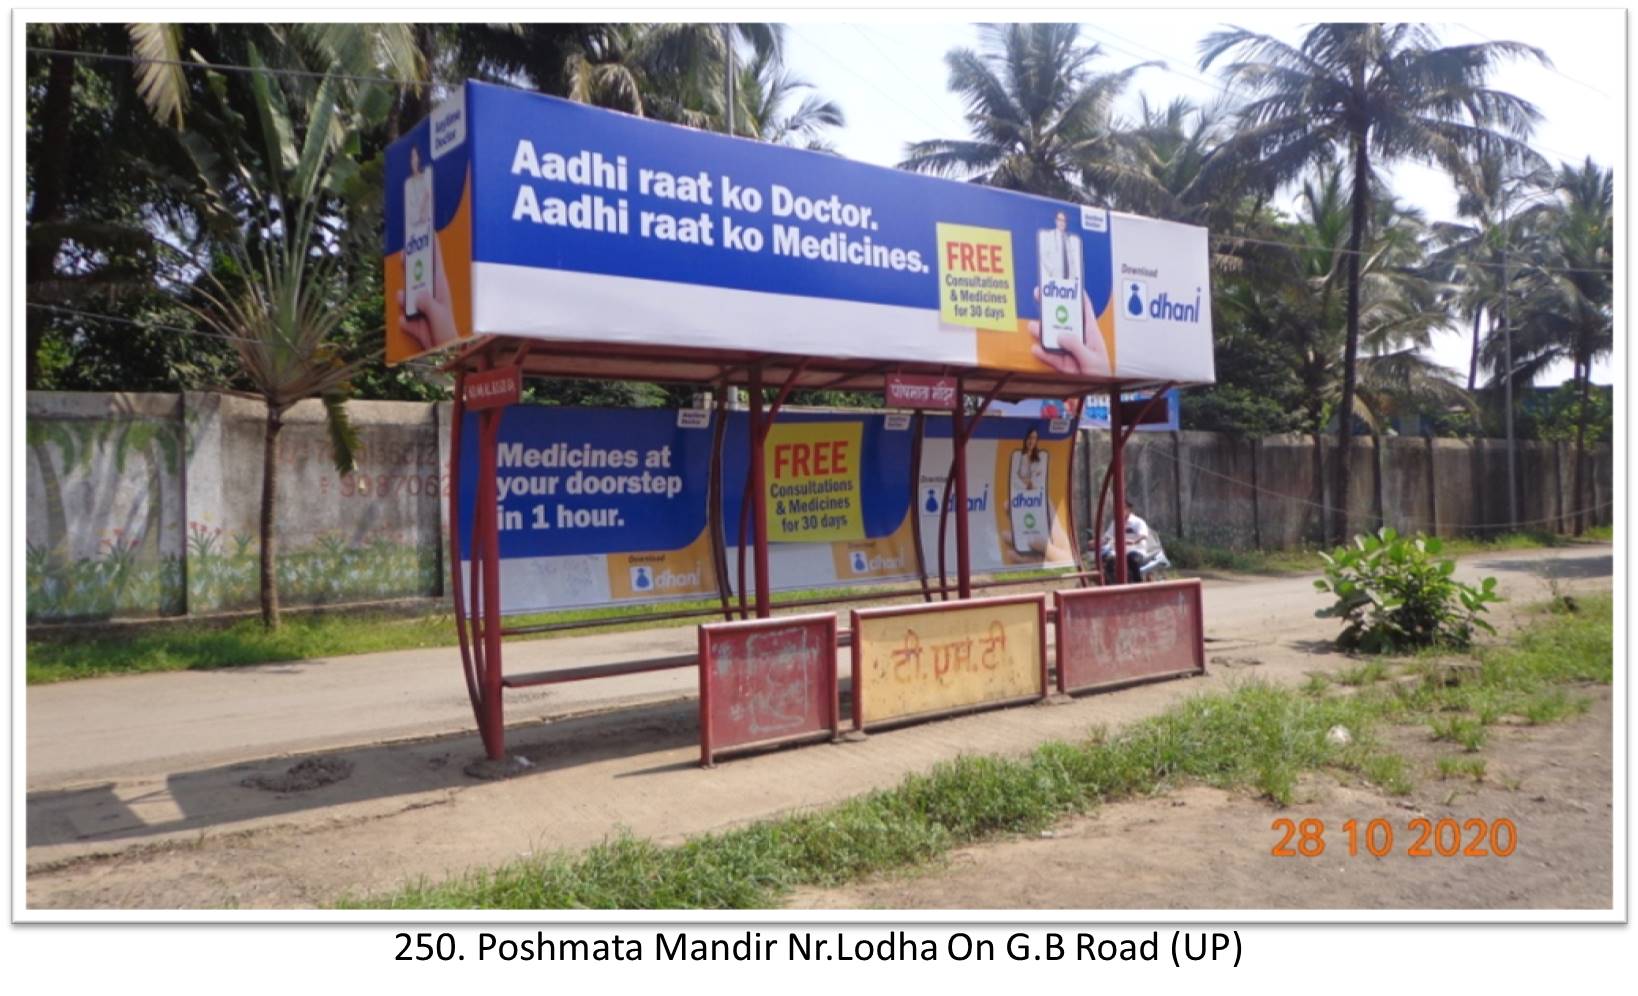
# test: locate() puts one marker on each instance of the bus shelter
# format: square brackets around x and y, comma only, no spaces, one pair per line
[529,237]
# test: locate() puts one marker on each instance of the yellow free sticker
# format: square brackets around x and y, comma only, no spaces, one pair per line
[813,481]
[975,286]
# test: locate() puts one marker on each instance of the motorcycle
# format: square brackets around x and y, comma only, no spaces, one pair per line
[1151,565]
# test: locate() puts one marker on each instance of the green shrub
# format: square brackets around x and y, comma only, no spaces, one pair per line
[1396,593]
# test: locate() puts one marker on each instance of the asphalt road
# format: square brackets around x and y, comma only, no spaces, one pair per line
[148,725]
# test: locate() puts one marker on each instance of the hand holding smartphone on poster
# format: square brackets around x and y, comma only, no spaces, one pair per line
[424,302]
[1080,355]
[1066,323]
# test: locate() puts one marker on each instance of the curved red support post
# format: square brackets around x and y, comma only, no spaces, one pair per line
[719,539]
[752,501]
[493,726]
[744,525]
[918,425]
[453,481]
[964,428]
[1117,468]
[958,432]
[759,492]
[943,521]
[1073,409]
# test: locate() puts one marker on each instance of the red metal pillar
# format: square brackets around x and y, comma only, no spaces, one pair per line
[1117,469]
[1072,408]
[759,495]
[958,434]
[495,729]
[468,666]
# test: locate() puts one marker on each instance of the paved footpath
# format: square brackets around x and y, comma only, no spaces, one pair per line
[137,793]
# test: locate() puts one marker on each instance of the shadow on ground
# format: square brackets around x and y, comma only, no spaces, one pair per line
[1590,566]
[211,797]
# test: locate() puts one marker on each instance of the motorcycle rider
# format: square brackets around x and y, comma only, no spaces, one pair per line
[1142,547]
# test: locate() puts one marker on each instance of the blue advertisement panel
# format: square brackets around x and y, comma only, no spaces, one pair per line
[646,233]
[606,506]
[1095,410]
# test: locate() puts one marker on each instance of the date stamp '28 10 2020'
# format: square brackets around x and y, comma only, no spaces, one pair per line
[1423,838]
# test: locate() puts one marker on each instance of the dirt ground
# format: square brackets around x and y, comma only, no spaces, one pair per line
[1203,848]
[226,836]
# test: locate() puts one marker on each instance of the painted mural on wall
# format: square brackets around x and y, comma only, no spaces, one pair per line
[223,570]
[136,511]
[102,497]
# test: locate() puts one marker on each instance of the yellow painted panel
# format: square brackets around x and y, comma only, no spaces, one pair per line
[948,658]
[813,481]
[975,277]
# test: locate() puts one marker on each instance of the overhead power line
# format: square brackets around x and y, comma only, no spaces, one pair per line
[1166,66]
[1579,82]
[1226,237]
[892,62]
[311,74]
[886,95]
[178,329]
[230,67]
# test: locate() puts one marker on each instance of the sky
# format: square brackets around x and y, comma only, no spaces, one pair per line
[889,76]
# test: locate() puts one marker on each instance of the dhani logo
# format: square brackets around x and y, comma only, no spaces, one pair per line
[1138,306]
[930,499]
[1029,499]
[863,564]
[1167,310]
[645,578]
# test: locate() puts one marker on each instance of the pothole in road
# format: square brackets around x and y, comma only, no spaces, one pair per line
[312,773]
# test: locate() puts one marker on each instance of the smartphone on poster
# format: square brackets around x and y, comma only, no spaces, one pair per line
[418,234]
[1061,313]
[1060,255]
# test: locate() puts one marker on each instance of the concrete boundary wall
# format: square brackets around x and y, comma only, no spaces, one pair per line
[145,505]
[149,505]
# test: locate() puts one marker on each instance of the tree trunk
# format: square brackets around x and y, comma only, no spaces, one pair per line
[1356,240]
[1583,374]
[269,563]
[1473,358]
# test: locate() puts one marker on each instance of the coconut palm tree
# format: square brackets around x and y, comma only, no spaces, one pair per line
[1376,93]
[1157,168]
[1492,201]
[775,105]
[1038,111]
[667,71]
[1399,308]
[279,187]
[1564,292]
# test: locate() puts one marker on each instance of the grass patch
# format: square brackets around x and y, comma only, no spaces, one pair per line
[186,646]
[197,645]
[1368,673]
[1389,772]
[1316,684]
[1257,737]
[1464,730]
[1459,766]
